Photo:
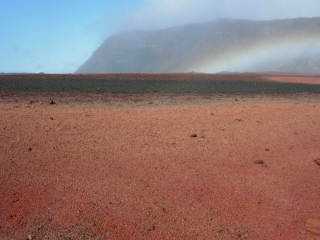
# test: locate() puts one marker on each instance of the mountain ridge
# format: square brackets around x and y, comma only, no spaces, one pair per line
[191,47]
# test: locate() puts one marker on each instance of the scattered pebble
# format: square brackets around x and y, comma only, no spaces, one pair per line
[30,149]
[194,135]
[152,228]
[52,102]
[317,161]
[260,162]
[267,149]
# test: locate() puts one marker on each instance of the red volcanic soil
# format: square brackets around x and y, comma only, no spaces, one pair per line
[244,169]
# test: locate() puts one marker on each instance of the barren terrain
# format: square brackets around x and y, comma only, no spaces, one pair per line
[159,166]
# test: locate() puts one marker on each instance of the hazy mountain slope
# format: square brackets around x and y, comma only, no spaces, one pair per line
[222,45]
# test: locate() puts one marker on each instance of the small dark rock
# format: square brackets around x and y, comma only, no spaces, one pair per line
[52,102]
[260,162]
[239,120]
[317,161]
[30,149]
[267,150]
[194,135]
[220,231]
[152,228]
[51,118]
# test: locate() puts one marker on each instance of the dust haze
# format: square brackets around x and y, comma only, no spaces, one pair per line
[155,14]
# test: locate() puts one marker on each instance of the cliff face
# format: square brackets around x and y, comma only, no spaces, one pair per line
[223,45]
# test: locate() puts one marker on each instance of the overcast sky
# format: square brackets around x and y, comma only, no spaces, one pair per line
[58,36]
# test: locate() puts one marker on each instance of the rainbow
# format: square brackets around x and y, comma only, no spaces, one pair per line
[262,56]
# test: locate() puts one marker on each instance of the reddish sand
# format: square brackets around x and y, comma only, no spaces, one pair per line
[295,79]
[224,170]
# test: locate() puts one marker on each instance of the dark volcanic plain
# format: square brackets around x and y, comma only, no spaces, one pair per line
[147,156]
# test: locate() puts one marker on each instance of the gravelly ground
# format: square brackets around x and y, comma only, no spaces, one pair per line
[233,169]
